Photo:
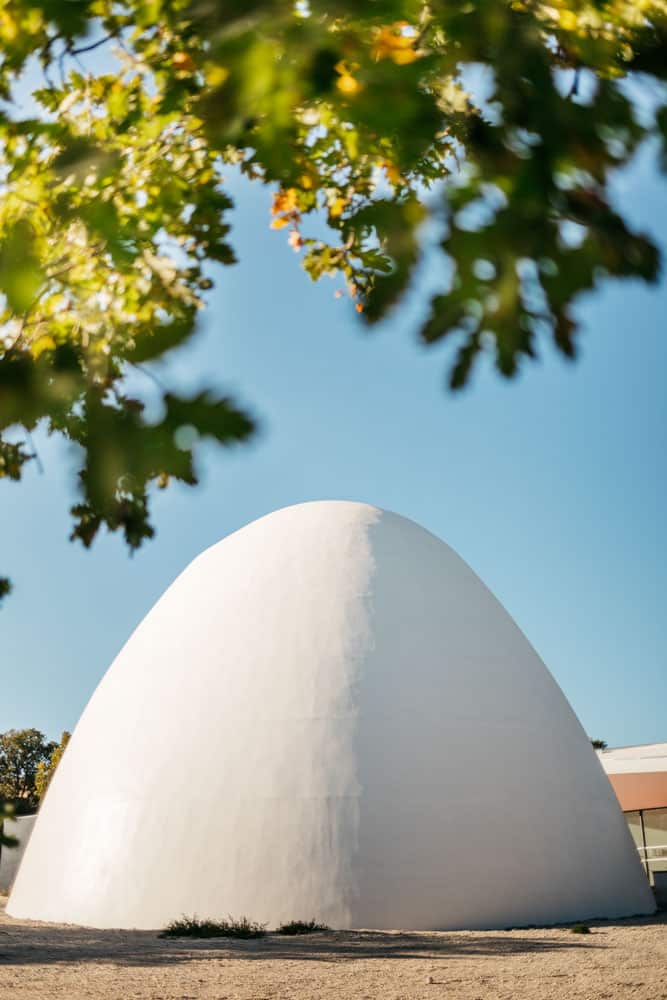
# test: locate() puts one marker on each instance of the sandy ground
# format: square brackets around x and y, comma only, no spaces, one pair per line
[618,959]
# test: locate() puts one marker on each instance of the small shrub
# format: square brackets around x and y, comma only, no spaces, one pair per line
[193,927]
[302,927]
[580,929]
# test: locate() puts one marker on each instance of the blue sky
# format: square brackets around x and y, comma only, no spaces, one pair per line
[551,486]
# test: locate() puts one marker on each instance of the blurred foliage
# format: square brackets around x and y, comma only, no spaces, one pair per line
[22,752]
[46,768]
[7,811]
[113,194]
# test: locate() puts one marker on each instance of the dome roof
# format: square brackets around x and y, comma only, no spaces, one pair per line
[328,715]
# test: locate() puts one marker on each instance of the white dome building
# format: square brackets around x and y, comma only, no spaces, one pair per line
[328,715]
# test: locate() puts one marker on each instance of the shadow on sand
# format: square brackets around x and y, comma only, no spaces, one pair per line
[24,943]
[32,945]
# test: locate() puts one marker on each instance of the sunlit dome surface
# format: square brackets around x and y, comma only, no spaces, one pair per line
[328,715]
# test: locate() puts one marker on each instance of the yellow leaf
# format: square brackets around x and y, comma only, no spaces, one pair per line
[183,62]
[392,172]
[216,75]
[348,85]
[346,82]
[8,26]
[337,206]
[44,343]
[568,20]
[404,56]
[280,223]
[284,201]
[396,42]
[295,240]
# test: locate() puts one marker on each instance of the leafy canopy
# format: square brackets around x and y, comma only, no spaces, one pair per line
[113,196]
[27,764]
[7,811]
[22,753]
[47,767]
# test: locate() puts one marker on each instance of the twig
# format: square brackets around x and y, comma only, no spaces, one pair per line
[149,374]
[38,461]
[574,89]
[45,60]
[93,45]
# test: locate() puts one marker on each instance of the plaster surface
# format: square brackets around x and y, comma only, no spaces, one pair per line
[10,857]
[363,734]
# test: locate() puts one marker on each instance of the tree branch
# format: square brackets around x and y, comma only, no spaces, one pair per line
[93,45]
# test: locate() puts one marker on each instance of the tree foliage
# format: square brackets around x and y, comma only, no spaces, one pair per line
[361,113]
[22,752]
[46,768]
[7,811]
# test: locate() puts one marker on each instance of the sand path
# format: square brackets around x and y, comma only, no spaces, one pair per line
[617,960]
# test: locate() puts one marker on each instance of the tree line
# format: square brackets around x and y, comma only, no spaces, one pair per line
[27,763]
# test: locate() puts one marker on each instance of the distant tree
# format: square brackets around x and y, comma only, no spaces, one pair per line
[599,744]
[6,812]
[46,769]
[21,753]
[114,203]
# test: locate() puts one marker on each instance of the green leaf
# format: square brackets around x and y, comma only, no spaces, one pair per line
[21,274]
[166,337]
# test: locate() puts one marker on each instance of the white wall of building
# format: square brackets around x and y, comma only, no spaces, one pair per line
[365,736]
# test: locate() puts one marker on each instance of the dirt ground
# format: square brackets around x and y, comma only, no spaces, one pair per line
[618,959]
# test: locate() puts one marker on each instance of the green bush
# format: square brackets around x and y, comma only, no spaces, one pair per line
[580,929]
[231,928]
[302,927]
